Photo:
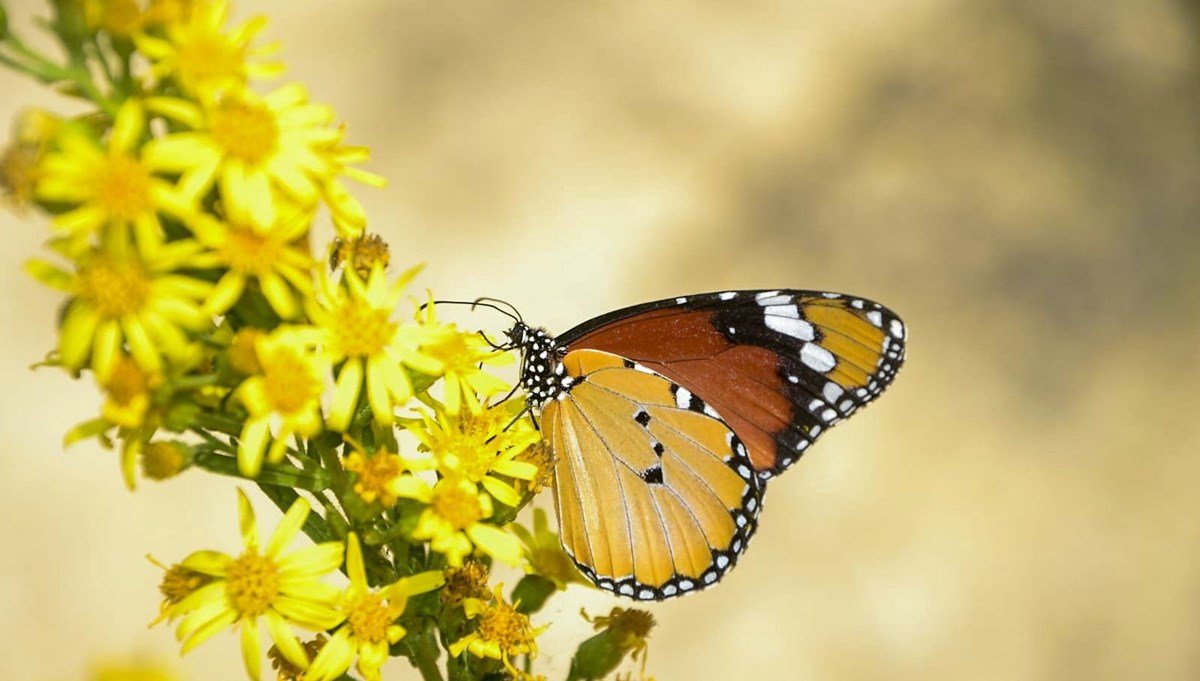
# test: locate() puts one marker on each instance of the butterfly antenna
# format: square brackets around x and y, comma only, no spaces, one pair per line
[515,314]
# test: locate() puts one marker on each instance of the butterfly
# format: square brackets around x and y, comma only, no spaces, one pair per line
[667,419]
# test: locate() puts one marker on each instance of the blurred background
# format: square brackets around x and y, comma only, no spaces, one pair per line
[1019,179]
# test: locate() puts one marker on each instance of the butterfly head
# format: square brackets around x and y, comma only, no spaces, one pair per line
[542,373]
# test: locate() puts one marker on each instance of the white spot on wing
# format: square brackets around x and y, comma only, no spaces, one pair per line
[680,301]
[816,357]
[728,295]
[876,317]
[796,328]
[783,311]
[683,398]
[897,328]
[832,392]
[831,296]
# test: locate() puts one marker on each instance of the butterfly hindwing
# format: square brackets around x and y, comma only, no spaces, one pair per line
[780,366]
[656,494]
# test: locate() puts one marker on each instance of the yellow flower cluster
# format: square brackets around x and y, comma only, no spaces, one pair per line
[182,212]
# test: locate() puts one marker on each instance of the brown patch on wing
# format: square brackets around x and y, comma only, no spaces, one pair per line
[740,381]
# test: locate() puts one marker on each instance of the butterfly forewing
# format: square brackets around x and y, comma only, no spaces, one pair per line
[655,493]
[780,367]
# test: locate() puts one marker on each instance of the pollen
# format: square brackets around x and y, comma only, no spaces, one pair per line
[361,330]
[458,505]
[115,288]
[179,582]
[246,132]
[508,628]
[251,253]
[253,584]
[290,385]
[370,618]
[123,188]
[468,581]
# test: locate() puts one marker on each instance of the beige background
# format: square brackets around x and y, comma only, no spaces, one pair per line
[1020,180]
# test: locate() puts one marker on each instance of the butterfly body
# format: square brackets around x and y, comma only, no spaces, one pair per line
[667,419]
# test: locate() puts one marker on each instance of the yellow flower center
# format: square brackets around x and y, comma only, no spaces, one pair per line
[179,582]
[115,288]
[361,330]
[458,505]
[126,382]
[505,626]
[123,188]
[374,474]
[247,132]
[370,618]
[209,58]
[251,253]
[290,385]
[253,584]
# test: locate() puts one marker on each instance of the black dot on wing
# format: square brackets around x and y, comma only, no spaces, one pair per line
[653,475]
[659,448]
[642,417]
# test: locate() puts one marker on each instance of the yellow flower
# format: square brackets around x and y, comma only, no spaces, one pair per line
[121,18]
[468,581]
[108,186]
[481,447]
[178,582]
[626,630]
[348,215]
[361,253]
[544,554]
[277,259]
[121,298]
[199,55]
[127,390]
[453,521]
[379,476]
[261,583]
[251,147]
[163,459]
[356,320]
[370,626]
[503,633]
[286,392]
[464,356]
[20,163]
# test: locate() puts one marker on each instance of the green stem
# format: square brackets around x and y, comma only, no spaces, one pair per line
[221,424]
[423,646]
[314,526]
[48,72]
[271,474]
